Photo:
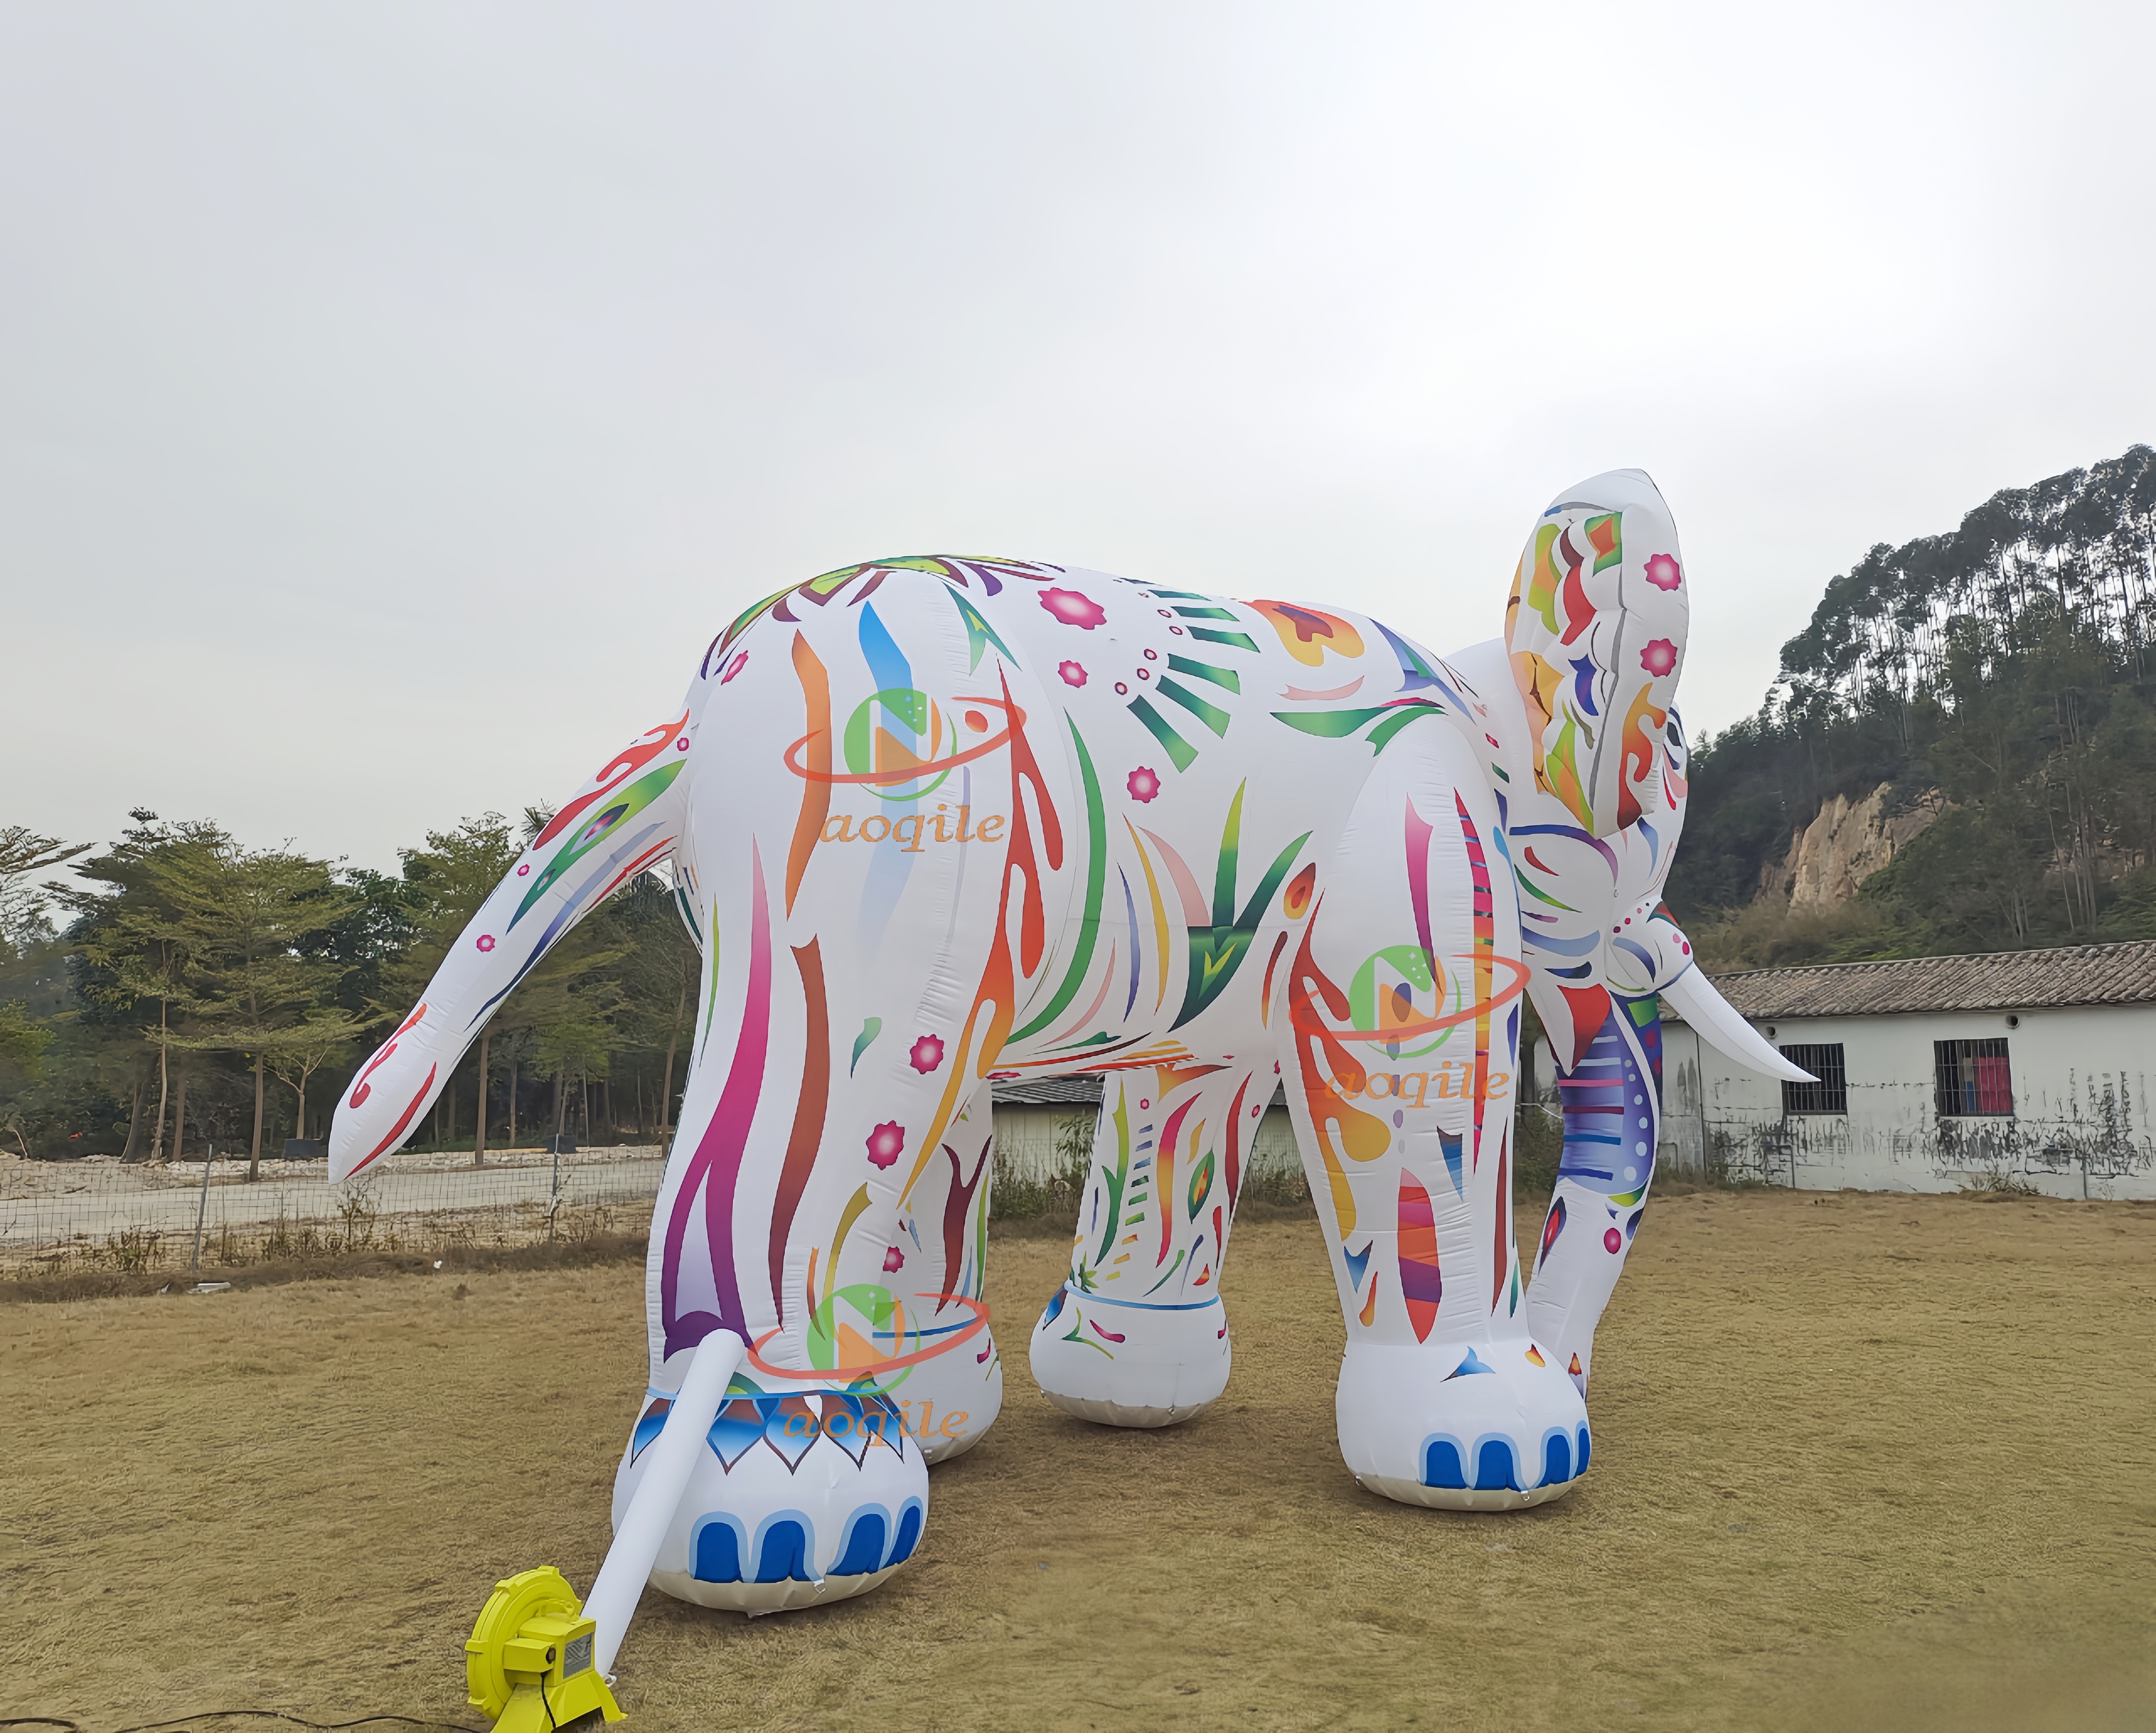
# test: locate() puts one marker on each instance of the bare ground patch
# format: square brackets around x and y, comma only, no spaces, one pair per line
[1861,1461]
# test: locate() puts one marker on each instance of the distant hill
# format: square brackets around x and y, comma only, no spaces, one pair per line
[1959,752]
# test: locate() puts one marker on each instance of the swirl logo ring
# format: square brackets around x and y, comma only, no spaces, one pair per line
[1015,718]
[888,1363]
[1429,1025]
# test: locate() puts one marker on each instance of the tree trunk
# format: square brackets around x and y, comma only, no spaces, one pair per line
[479,1138]
[180,1118]
[561,1099]
[164,1084]
[640,1127]
[666,1097]
[254,1154]
[512,1104]
[134,1118]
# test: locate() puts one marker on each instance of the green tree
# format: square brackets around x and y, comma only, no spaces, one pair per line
[132,951]
[657,976]
[231,936]
[559,1019]
[24,902]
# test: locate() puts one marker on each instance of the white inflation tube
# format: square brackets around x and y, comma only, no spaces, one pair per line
[1716,1020]
[673,1458]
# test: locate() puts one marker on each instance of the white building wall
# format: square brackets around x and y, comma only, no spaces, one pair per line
[2084,1085]
[1026,1142]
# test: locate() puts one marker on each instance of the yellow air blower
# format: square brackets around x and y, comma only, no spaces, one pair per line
[529,1663]
[536,1662]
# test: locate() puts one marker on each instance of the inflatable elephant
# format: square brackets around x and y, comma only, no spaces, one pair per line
[937,822]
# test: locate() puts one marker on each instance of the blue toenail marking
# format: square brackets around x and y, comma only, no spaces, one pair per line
[1440,1465]
[1493,1466]
[863,1550]
[718,1553]
[909,1533]
[1557,1458]
[785,1554]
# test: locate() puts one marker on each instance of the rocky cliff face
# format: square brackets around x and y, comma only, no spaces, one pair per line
[1846,844]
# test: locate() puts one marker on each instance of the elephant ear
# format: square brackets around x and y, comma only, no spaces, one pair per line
[1594,631]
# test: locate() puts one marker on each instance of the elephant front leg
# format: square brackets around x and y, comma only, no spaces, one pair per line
[1612,1102]
[1401,1005]
[1136,1335]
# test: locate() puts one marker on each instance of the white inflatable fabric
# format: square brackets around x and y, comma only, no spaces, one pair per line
[941,821]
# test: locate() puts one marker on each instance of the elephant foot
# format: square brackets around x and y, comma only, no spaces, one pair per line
[1121,1364]
[797,1499]
[1494,1427]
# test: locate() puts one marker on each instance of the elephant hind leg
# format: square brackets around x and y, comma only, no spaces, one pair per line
[1136,1334]
[949,1401]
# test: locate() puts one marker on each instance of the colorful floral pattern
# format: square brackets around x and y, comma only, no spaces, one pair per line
[1073,673]
[1142,783]
[926,1054]
[1658,657]
[886,1144]
[1663,571]
[1074,608]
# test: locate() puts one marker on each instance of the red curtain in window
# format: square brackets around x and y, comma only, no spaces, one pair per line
[1995,1089]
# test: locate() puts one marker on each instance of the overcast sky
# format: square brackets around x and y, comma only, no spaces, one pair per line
[394,399]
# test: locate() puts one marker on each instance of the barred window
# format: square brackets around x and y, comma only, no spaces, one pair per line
[1830,1093]
[1972,1077]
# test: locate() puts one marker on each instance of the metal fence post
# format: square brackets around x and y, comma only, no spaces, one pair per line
[201,1208]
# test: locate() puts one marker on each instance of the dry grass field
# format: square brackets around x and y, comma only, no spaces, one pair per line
[1861,1462]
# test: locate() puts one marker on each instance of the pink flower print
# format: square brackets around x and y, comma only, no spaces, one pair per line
[523,870]
[1073,609]
[926,1053]
[734,667]
[486,941]
[886,1143]
[1073,673]
[894,1260]
[1142,783]
[1663,571]
[1658,657]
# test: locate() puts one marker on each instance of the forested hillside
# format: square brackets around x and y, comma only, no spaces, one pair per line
[1995,686]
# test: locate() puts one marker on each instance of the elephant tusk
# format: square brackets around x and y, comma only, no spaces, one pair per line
[1716,1020]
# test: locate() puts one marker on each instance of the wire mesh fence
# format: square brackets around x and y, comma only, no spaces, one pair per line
[100,1213]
